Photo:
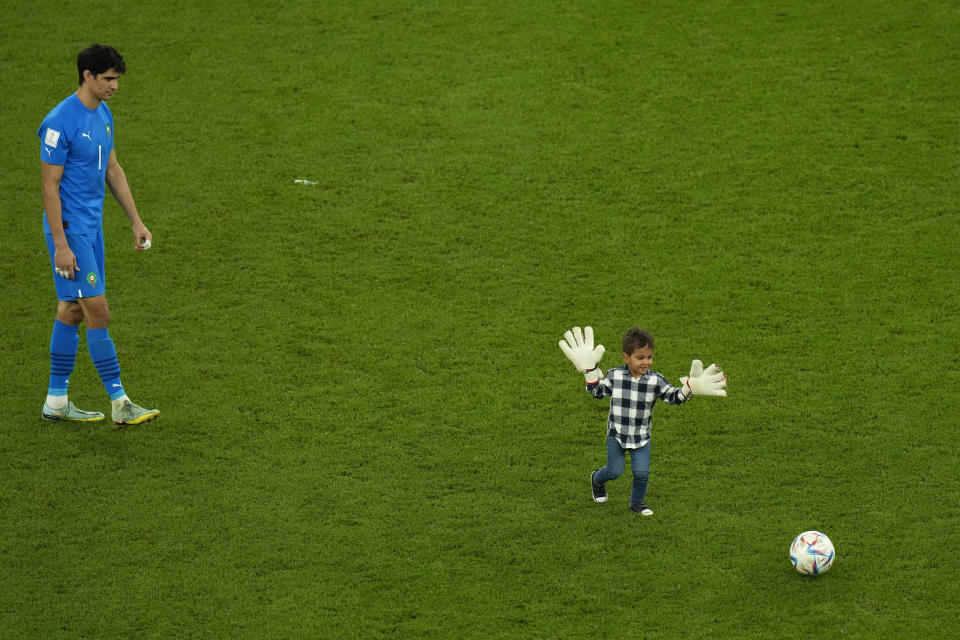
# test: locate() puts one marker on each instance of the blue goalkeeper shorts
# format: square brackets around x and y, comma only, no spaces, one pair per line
[89,280]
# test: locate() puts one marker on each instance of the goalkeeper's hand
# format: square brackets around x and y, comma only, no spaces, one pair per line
[578,347]
[709,382]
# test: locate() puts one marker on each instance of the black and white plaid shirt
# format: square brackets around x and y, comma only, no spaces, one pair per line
[632,401]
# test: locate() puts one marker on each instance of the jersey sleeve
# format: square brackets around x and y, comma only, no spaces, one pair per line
[54,143]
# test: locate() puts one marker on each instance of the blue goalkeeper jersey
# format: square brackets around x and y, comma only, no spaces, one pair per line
[80,140]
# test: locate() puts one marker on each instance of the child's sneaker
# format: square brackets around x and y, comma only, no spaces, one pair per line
[641,508]
[70,412]
[599,490]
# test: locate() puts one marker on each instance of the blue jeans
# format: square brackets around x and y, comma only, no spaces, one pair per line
[617,462]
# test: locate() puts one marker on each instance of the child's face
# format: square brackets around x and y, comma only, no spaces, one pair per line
[640,361]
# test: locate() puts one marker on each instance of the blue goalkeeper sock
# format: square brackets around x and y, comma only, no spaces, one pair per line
[104,357]
[63,355]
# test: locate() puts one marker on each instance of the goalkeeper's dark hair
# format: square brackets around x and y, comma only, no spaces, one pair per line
[99,58]
[636,338]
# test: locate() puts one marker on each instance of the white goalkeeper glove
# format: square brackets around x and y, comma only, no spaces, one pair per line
[704,383]
[578,347]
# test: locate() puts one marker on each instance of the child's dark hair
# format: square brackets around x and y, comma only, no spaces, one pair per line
[636,338]
[99,58]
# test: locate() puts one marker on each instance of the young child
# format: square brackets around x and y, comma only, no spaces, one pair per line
[633,389]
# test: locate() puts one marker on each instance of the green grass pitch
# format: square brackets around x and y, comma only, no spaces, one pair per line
[367,428]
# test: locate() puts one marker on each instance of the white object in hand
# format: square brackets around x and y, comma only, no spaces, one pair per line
[146,243]
[579,348]
[709,382]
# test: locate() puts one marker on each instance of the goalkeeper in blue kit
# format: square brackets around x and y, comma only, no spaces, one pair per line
[633,388]
[77,161]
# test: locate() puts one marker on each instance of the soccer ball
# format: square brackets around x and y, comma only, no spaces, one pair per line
[812,553]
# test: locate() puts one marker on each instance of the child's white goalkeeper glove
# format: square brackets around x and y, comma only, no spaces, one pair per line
[578,346]
[704,383]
